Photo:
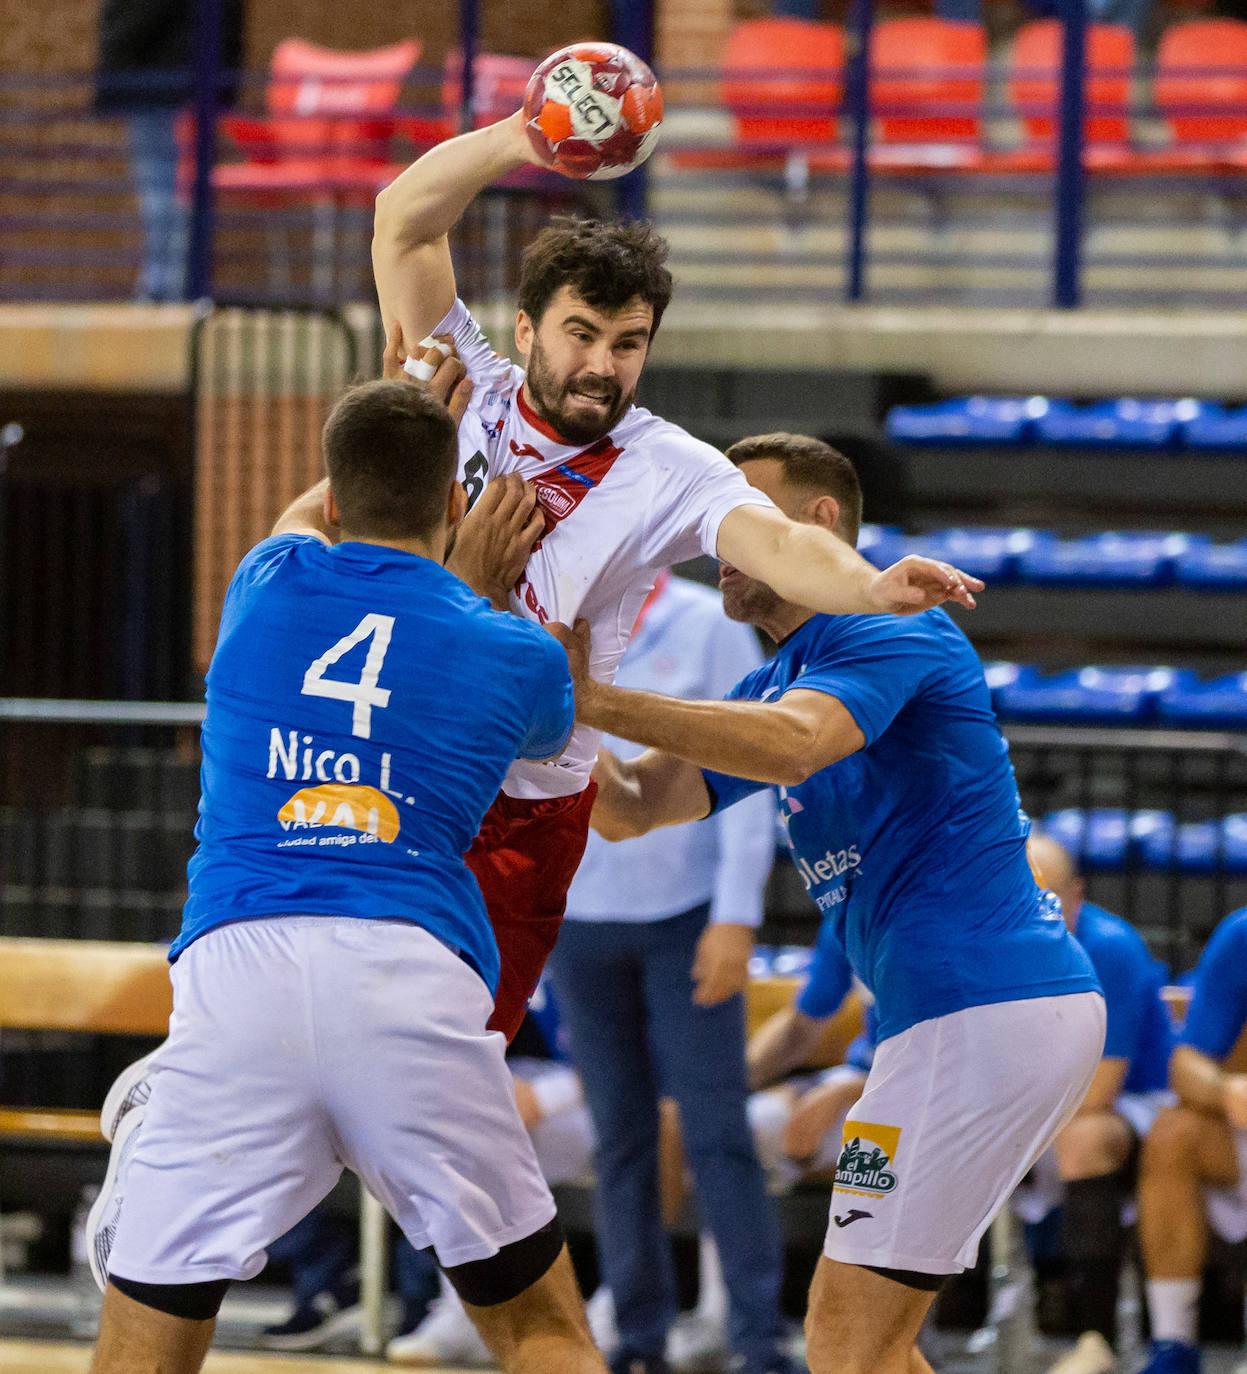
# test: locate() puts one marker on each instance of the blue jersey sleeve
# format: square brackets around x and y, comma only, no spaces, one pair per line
[873,665]
[829,978]
[553,701]
[1218,1008]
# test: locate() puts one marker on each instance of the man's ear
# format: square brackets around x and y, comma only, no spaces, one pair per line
[823,510]
[331,509]
[456,506]
[523,334]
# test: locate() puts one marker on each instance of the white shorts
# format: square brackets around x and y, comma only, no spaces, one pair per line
[956,1110]
[1227,1207]
[298,1045]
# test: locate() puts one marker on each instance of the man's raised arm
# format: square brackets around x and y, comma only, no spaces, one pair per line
[415,213]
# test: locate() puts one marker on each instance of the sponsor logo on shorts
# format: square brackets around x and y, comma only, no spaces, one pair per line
[865,1163]
[852,1216]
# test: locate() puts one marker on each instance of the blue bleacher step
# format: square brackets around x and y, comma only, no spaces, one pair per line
[969,420]
[1199,847]
[1106,838]
[881,545]
[989,552]
[1081,696]
[1216,428]
[1123,423]
[1218,704]
[1213,567]
[1110,559]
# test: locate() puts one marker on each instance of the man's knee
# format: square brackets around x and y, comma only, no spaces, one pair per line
[1172,1147]
[1093,1145]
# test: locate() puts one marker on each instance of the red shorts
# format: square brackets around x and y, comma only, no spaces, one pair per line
[525,858]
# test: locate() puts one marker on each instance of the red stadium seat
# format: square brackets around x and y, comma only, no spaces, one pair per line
[1201,89]
[927,88]
[783,81]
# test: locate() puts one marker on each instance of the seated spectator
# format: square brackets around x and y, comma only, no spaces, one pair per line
[1194,1163]
[1088,1169]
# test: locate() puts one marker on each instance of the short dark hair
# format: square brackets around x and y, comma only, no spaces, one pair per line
[606,263]
[391,453]
[813,465]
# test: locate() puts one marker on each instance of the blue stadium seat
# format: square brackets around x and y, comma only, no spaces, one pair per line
[1104,838]
[1219,704]
[1124,423]
[790,960]
[968,420]
[1083,696]
[990,553]
[760,960]
[1216,427]
[1001,675]
[881,545]
[1199,846]
[1213,567]
[1107,560]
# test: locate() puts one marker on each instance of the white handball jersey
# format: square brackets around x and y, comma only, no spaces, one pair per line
[617,511]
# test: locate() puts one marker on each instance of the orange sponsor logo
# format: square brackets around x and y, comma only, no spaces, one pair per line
[342,806]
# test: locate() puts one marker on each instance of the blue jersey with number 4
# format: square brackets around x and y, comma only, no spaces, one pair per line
[914,848]
[363,707]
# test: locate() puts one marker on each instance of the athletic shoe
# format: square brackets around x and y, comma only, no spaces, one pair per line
[600,1310]
[106,1209]
[1091,1355]
[697,1342]
[1172,1357]
[445,1337]
[314,1324]
[131,1088]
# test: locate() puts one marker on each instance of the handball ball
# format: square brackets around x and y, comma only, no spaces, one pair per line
[592,110]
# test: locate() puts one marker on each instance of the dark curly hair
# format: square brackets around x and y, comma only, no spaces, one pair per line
[606,263]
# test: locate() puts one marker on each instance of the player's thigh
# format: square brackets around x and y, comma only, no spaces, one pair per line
[955,1111]
[859,1321]
[234,1146]
[1093,1144]
[1223,1158]
[420,1097]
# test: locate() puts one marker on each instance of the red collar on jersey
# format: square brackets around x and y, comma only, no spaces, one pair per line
[531,417]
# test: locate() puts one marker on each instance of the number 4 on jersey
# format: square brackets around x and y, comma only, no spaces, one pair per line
[364,694]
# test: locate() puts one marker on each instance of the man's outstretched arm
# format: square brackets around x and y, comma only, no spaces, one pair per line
[784,741]
[415,213]
[809,566]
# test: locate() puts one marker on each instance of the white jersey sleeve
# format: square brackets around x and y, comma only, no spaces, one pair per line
[695,487]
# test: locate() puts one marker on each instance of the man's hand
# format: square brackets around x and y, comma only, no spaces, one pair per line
[721,963]
[1236,1100]
[576,642]
[916,584]
[495,538]
[446,376]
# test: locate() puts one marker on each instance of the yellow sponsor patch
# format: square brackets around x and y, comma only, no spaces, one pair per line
[866,1158]
[343,806]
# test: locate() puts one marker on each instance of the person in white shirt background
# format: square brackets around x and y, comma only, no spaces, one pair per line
[649,971]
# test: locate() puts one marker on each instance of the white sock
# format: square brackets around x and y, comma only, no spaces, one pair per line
[711,1291]
[1173,1306]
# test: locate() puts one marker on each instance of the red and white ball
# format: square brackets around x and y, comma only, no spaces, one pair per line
[592,110]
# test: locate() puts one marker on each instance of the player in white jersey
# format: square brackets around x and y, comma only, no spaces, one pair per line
[624,492]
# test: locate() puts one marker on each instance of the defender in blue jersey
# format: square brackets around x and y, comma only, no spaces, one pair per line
[904,822]
[1194,1167]
[1089,1171]
[335,969]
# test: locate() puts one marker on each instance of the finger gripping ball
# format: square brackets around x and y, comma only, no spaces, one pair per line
[592,110]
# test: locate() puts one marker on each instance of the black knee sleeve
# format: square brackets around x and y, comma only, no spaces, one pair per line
[501,1277]
[911,1278]
[197,1302]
